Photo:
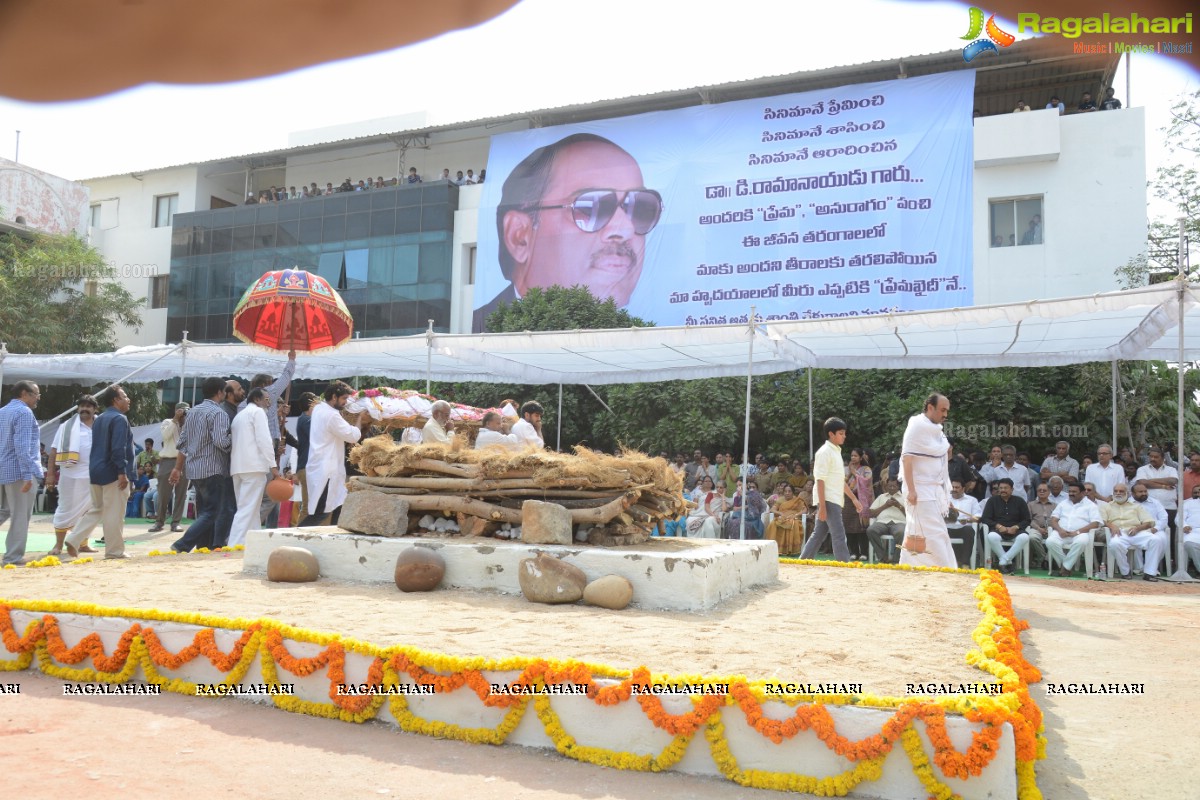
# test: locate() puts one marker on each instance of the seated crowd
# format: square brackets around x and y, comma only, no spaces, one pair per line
[1004,510]
[280,194]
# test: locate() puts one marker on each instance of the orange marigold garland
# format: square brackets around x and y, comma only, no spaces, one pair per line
[997,636]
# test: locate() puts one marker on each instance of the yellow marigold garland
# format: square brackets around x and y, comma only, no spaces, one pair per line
[997,636]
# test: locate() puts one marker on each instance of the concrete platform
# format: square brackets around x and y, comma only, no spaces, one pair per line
[671,574]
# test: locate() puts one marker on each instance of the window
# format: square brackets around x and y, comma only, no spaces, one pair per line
[165,207]
[158,291]
[89,288]
[1016,222]
[95,218]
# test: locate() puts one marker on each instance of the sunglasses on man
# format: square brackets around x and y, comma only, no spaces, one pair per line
[595,208]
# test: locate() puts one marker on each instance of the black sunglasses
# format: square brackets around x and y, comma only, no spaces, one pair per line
[595,208]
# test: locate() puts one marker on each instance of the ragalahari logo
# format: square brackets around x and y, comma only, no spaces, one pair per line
[995,36]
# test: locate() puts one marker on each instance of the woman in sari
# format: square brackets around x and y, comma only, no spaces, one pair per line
[787,528]
[858,478]
[751,504]
[704,521]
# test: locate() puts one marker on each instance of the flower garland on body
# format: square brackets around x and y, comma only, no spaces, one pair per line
[997,637]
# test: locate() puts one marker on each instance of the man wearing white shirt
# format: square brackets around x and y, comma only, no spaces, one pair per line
[528,428]
[1008,468]
[967,511]
[1058,494]
[490,434]
[1189,526]
[1105,473]
[168,459]
[325,470]
[1162,531]
[251,461]
[439,428]
[1075,522]
[1162,481]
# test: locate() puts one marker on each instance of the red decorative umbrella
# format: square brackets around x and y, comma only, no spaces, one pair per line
[291,309]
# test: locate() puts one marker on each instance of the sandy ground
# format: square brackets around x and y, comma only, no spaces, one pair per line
[817,624]
[814,626]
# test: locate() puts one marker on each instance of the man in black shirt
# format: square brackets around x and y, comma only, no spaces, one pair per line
[1005,518]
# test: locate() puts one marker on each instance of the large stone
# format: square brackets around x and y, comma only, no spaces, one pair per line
[292,565]
[419,569]
[476,526]
[611,591]
[545,523]
[374,513]
[546,579]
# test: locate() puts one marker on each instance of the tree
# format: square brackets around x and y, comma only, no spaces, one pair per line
[59,296]
[1178,184]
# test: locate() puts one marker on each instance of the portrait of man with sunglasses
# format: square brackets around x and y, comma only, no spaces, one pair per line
[575,212]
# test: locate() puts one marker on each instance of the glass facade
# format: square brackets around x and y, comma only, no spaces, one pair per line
[388,252]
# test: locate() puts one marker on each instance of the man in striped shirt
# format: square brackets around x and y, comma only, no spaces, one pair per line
[20,467]
[205,442]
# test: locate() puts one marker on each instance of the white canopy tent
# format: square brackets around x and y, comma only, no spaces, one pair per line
[1129,325]
[1115,326]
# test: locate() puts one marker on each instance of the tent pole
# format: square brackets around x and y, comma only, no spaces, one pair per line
[3,353]
[428,355]
[1181,574]
[558,441]
[1114,405]
[746,431]
[810,431]
[182,366]
[117,382]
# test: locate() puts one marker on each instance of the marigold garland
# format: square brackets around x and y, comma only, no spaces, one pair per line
[999,652]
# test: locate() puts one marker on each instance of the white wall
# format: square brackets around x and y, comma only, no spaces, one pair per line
[130,242]
[466,235]
[1090,170]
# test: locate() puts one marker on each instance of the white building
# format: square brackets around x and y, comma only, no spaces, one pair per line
[1083,174]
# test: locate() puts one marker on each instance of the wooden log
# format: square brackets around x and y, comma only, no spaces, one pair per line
[464,505]
[450,484]
[601,515]
[457,470]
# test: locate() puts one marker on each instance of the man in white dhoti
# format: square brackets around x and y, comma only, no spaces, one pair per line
[328,436]
[68,469]
[926,479]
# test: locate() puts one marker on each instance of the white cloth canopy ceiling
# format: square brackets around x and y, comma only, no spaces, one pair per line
[1129,325]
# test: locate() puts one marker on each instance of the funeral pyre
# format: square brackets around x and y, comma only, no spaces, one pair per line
[611,500]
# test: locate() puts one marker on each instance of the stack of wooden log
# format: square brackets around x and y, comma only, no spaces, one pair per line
[615,499]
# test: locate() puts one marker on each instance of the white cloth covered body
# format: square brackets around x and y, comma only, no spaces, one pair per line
[327,439]
[253,450]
